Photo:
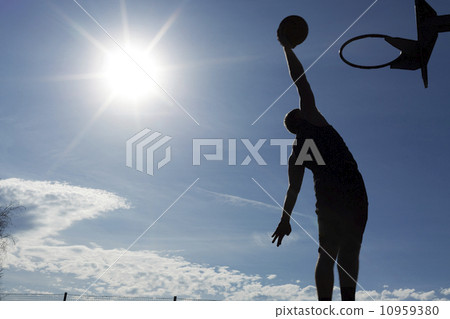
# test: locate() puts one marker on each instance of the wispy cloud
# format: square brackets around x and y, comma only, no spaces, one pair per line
[241,201]
[264,239]
[52,207]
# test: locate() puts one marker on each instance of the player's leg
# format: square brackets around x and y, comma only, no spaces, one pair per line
[328,250]
[348,258]
[348,269]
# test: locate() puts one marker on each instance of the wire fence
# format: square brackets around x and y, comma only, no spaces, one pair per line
[73,297]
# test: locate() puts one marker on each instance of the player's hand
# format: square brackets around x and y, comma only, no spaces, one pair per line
[283,229]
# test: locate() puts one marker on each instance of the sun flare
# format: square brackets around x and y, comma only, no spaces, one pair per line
[131,74]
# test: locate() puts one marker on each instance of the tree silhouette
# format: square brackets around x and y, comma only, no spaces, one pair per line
[5,237]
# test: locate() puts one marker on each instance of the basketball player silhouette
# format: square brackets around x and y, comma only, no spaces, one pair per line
[341,204]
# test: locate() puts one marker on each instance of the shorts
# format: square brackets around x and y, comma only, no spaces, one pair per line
[344,229]
[344,193]
[341,209]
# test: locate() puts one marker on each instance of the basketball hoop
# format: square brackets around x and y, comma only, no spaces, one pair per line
[414,54]
[366,67]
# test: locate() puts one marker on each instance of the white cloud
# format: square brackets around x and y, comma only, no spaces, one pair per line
[54,207]
[445,292]
[148,273]
[399,294]
[257,291]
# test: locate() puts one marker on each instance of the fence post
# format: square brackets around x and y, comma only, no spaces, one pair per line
[65,296]
[174,298]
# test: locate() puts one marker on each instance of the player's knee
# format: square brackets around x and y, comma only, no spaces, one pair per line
[350,249]
[326,257]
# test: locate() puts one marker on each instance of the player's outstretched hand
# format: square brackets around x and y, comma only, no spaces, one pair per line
[283,229]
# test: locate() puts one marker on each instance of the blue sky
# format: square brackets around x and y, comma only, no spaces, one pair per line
[64,130]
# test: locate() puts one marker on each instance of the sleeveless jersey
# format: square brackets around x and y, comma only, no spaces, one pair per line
[338,184]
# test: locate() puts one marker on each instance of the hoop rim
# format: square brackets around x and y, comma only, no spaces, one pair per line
[367,67]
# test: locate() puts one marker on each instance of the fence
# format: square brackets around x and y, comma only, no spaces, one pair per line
[73,297]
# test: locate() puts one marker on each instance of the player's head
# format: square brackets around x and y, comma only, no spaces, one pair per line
[291,121]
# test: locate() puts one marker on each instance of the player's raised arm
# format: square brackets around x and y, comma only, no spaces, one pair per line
[297,72]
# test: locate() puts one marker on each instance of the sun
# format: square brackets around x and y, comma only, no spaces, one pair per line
[131,73]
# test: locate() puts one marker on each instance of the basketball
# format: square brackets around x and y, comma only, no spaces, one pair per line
[294,29]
